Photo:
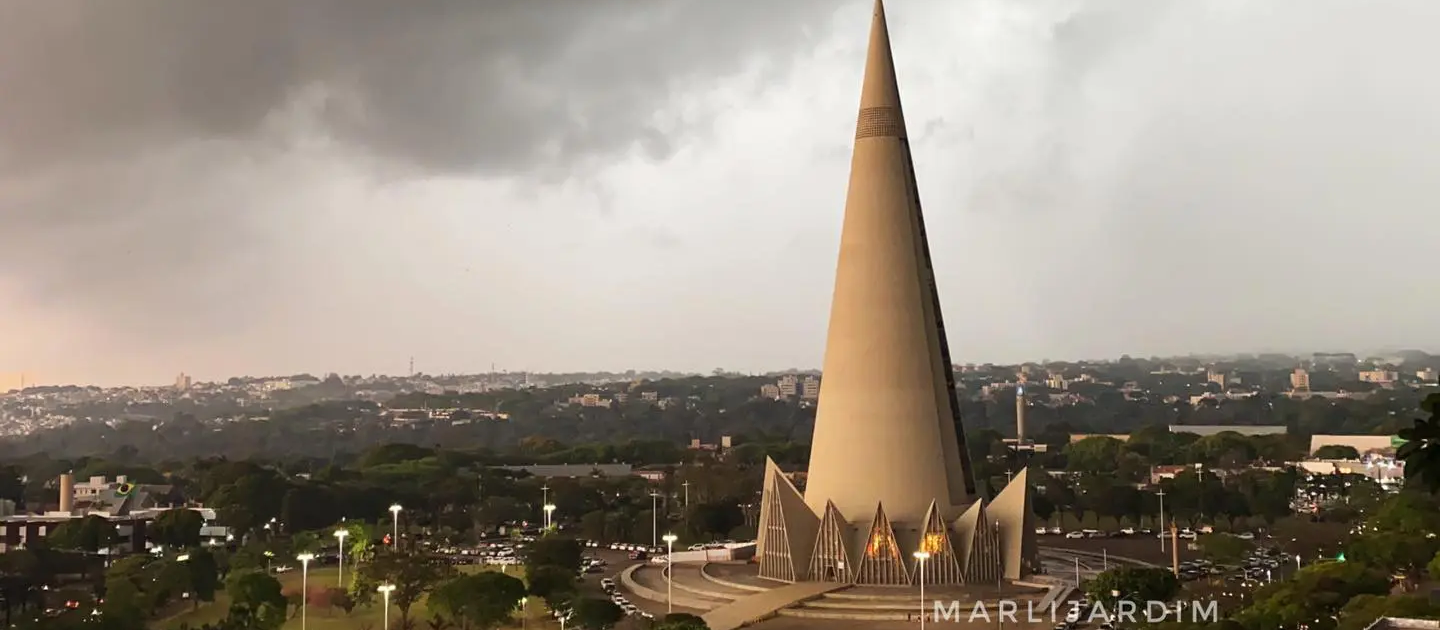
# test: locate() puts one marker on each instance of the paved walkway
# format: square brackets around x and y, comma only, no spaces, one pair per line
[761,605]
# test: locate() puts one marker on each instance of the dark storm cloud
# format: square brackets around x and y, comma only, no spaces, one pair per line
[495,85]
[148,157]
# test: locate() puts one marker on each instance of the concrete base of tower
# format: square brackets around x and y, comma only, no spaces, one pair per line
[733,594]
[990,541]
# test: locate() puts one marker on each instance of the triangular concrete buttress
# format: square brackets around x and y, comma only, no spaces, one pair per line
[1013,510]
[831,561]
[979,545]
[942,566]
[880,559]
[789,527]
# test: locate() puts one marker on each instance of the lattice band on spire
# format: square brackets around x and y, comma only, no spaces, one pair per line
[880,122]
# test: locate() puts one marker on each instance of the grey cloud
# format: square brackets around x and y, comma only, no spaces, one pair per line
[460,85]
[154,153]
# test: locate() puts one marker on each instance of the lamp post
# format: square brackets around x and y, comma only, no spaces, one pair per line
[304,559]
[269,555]
[669,575]
[654,520]
[545,495]
[385,590]
[523,616]
[395,527]
[549,511]
[687,494]
[920,558]
[1161,494]
[340,535]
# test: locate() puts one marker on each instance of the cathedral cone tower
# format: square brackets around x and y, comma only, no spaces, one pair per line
[888,465]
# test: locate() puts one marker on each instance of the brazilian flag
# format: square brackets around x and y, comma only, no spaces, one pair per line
[125,489]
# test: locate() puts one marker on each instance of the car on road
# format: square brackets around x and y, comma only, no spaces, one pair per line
[1074,534]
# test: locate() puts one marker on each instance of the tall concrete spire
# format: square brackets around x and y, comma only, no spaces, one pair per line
[887,428]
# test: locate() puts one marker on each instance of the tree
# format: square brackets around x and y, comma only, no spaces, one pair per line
[204,575]
[1337,451]
[412,574]
[91,533]
[555,551]
[1313,596]
[256,600]
[1098,454]
[485,600]
[597,614]
[552,583]
[178,528]
[1136,584]
[681,621]
[1421,451]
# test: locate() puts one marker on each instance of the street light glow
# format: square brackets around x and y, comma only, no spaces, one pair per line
[395,509]
[385,588]
[305,557]
[670,539]
[342,533]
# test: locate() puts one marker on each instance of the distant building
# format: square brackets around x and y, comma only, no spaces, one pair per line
[770,390]
[1361,443]
[1161,473]
[182,382]
[1217,378]
[788,386]
[573,471]
[1378,377]
[1378,469]
[1076,437]
[1214,429]
[1300,380]
[810,388]
[1427,375]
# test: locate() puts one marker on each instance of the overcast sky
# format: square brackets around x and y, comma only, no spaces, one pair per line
[270,187]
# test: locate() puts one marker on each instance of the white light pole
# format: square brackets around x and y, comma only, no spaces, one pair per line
[920,558]
[545,495]
[549,510]
[669,575]
[687,494]
[1161,494]
[340,535]
[654,519]
[395,528]
[523,616]
[304,559]
[385,589]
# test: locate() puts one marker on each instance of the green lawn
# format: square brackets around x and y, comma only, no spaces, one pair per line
[336,619]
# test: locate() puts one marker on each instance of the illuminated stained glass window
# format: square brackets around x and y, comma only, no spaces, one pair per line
[880,544]
[933,543]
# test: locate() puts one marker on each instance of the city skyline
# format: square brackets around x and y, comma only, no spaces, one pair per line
[1171,178]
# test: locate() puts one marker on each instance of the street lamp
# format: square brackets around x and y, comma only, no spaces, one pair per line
[1161,494]
[304,559]
[654,522]
[523,620]
[184,557]
[385,590]
[920,558]
[269,556]
[669,575]
[549,509]
[340,535]
[395,516]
